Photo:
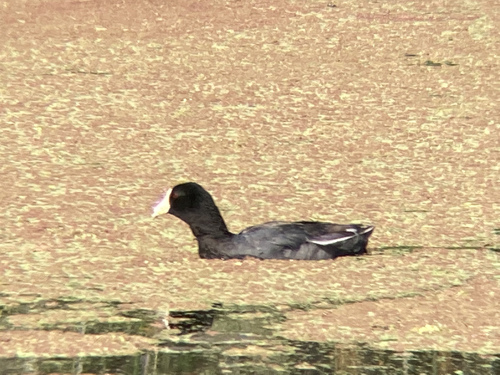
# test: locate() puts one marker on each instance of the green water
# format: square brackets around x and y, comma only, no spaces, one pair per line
[240,341]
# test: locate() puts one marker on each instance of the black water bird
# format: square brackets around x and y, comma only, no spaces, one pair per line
[301,240]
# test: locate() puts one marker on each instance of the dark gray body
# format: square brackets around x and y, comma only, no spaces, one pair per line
[288,240]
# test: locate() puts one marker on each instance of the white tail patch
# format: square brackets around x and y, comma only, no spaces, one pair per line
[329,240]
[368,230]
[339,237]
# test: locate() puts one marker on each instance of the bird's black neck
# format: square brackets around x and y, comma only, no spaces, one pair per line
[210,225]
[211,230]
[211,236]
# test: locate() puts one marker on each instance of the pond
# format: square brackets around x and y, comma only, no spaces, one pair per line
[235,341]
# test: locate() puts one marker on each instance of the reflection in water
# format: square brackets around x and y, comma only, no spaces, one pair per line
[321,359]
[242,341]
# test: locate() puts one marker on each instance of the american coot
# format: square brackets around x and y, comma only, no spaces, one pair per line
[308,240]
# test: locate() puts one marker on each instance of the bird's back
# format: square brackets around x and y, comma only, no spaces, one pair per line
[289,240]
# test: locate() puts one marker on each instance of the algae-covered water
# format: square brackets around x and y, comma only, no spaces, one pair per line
[236,341]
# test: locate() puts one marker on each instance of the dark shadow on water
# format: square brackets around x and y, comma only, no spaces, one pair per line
[240,340]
